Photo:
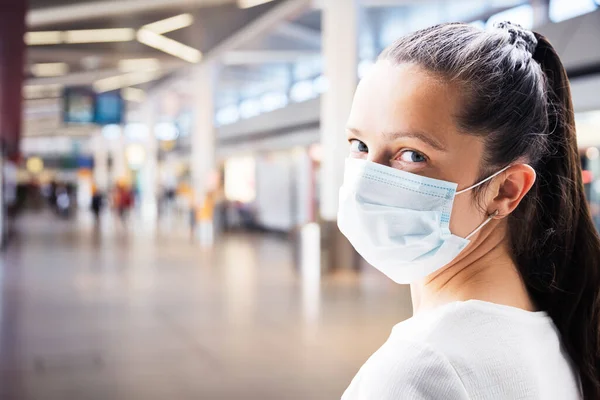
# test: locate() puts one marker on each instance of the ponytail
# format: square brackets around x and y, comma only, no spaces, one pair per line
[559,251]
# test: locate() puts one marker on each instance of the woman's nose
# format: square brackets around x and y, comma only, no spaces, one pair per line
[379,157]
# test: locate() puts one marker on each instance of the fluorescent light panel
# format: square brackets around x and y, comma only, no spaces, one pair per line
[110,83]
[43,38]
[31,92]
[100,35]
[251,3]
[133,94]
[49,69]
[169,46]
[170,24]
[137,78]
[139,64]
[122,81]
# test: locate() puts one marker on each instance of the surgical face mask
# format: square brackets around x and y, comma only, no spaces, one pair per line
[400,222]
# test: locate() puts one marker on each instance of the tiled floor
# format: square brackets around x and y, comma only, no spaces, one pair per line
[141,315]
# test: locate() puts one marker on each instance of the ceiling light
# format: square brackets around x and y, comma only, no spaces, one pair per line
[170,24]
[100,35]
[42,38]
[139,64]
[169,46]
[49,69]
[31,92]
[137,78]
[251,3]
[110,83]
[121,81]
[133,94]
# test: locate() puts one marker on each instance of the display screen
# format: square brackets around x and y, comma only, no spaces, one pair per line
[79,105]
[109,108]
[83,106]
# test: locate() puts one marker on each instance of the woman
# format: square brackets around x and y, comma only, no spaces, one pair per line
[464,180]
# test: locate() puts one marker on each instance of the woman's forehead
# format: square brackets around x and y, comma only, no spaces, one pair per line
[404,98]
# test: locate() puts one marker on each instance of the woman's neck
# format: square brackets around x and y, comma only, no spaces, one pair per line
[485,271]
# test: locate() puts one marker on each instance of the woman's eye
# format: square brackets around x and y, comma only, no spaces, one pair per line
[410,156]
[356,146]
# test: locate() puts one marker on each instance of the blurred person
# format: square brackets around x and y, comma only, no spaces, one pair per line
[63,201]
[204,220]
[464,180]
[122,201]
[97,203]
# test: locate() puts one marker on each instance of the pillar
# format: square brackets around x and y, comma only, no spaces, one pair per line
[541,12]
[340,59]
[12,58]
[101,174]
[119,168]
[149,172]
[202,159]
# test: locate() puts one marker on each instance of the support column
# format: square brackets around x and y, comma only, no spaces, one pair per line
[541,12]
[202,158]
[12,58]
[340,58]
[101,176]
[119,170]
[12,61]
[149,172]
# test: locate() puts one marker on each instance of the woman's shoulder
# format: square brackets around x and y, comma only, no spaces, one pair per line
[407,370]
[462,350]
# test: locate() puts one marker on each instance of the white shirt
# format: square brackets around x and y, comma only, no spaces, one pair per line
[469,350]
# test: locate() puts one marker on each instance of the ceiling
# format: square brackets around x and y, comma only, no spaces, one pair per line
[212,24]
[257,63]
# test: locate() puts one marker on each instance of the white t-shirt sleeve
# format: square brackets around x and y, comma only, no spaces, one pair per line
[407,371]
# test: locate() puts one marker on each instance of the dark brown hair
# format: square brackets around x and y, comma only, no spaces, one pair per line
[517,97]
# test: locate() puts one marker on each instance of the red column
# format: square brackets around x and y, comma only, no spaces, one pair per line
[12,59]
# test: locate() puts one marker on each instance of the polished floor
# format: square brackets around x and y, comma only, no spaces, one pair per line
[131,313]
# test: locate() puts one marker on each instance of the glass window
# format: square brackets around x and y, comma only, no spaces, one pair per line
[424,15]
[460,10]
[302,91]
[111,131]
[166,131]
[522,15]
[250,108]
[307,69]
[136,131]
[393,26]
[561,10]
[320,84]
[273,101]
[227,115]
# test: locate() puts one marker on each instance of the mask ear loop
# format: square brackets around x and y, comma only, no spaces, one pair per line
[484,181]
[484,223]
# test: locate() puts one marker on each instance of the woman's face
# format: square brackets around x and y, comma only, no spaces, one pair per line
[405,118]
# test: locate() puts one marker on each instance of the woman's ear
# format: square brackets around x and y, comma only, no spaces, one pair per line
[513,185]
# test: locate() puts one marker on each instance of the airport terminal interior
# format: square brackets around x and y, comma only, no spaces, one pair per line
[170,185]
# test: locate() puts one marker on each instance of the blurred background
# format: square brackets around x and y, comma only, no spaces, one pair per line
[169,189]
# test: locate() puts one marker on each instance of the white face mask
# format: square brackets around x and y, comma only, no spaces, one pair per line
[398,221]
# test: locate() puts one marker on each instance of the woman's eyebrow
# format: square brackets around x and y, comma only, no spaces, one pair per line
[423,137]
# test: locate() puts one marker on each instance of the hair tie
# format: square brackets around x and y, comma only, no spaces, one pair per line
[518,37]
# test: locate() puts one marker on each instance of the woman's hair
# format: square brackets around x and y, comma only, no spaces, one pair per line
[517,98]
